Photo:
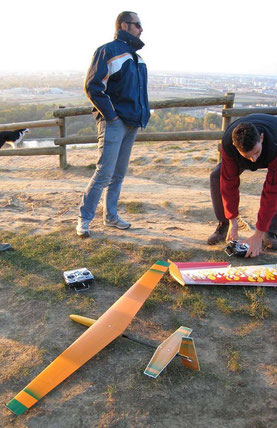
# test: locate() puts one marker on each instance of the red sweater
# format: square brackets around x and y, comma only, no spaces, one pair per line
[229,186]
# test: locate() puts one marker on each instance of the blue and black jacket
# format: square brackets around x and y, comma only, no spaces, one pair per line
[116,81]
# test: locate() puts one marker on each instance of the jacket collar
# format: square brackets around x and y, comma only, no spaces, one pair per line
[134,42]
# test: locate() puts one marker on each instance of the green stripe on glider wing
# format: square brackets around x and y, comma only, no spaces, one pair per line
[16,407]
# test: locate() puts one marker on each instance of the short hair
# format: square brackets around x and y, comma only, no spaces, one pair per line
[245,136]
[122,17]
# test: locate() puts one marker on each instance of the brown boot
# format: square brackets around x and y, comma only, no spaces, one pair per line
[270,240]
[243,225]
[219,234]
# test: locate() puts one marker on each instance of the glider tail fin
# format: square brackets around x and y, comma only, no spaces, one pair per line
[166,351]
[188,353]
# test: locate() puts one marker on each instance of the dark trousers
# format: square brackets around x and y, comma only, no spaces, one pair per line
[217,199]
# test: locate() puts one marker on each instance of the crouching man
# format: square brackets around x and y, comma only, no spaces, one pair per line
[248,143]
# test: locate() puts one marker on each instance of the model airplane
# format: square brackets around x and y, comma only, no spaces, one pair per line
[223,274]
[101,332]
[179,343]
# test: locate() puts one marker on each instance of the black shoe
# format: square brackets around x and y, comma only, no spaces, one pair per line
[219,234]
[270,240]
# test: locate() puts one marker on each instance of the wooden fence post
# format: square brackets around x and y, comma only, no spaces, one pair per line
[225,120]
[63,160]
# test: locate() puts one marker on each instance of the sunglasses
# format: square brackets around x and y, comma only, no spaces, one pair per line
[137,24]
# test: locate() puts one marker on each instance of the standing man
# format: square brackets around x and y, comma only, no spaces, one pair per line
[116,84]
[248,143]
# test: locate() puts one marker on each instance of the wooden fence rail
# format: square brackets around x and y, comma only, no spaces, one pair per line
[149,136]
[32,152]
[155,105]
[31,124]
[240,112]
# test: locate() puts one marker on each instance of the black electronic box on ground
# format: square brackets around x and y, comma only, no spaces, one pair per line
[236,248]
[78,279]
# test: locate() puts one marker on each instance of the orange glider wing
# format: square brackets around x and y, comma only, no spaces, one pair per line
[107,328]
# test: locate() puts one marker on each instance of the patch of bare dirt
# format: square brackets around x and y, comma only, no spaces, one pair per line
[173,184]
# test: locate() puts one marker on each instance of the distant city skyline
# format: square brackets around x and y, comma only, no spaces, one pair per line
[40,86]
[179,36]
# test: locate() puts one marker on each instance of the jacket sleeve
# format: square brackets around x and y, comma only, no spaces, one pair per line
[229,185]
[96,84]
[268,203]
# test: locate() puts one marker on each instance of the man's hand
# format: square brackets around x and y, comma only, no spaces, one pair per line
[233,231]
[255,244]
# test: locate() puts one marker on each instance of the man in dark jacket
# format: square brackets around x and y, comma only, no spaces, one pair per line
[116,84]
[248,143]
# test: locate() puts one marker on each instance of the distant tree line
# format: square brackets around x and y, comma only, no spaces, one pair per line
[165,120]
[170,120]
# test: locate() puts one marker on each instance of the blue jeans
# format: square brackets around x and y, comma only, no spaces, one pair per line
[115,142]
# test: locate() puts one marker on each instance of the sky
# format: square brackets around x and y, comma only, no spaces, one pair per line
[235,36]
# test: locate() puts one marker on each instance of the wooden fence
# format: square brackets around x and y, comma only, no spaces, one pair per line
[60,115]
[227,101]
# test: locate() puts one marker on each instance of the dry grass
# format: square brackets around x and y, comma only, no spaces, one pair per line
[17,359]
[256,307]
[224,305]
[193,302]
[270,373]
[234,364]
[248,328]
[133,207]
